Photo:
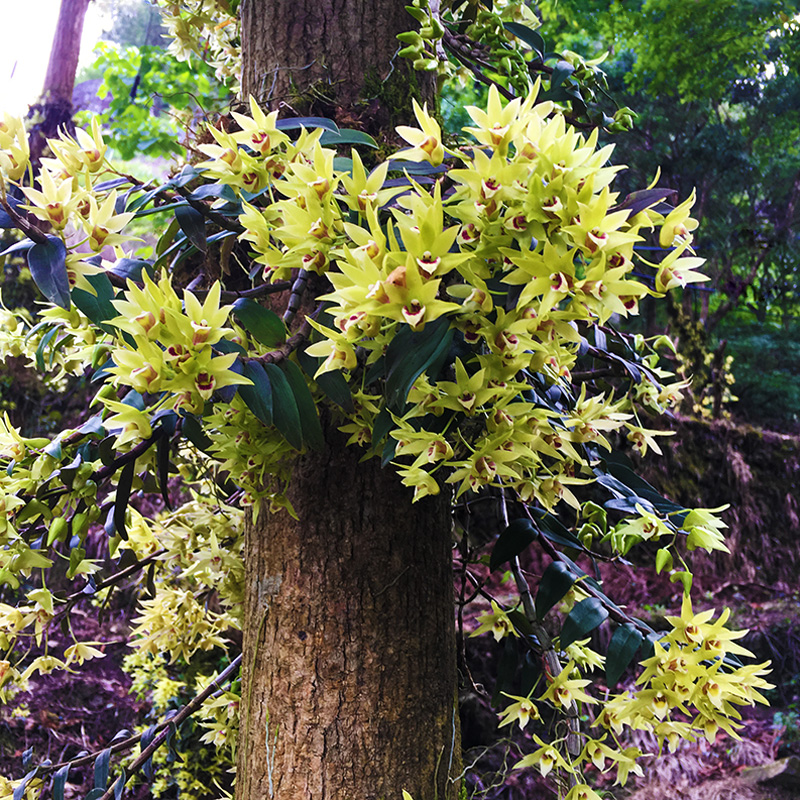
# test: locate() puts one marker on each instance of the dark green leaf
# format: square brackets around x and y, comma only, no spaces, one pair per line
[531,37]
[147,738]
[347,137]
[213,190]
[48,265]
[506,670]
[309,123]
[59,780]
[123,495]
[644,198]
[194,432]
[520,622]
[193,224]
[519,534]
[555,583]
[166,239]
[17,247]
[285,413]
[552,529]
[648,645]
[309,419]
[628,505]
[162,468]
[389,450]
[561,71]
[98,308]
[101,764]
[5,218]
[332,384]
[257,397]
[19,791]
[415,167]
[624,644]
[131,268]
[409,354]
[119,786]
[43,343]
[54,449]
[382,425]
[188,174]
[262,323]
[582,620]
[95,794]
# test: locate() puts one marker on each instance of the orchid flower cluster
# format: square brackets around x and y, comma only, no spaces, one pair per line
[443,315]
[690,687]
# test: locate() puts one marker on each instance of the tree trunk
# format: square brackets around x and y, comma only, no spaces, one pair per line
[334,58]
[349,682]
[54,109]
[349,677]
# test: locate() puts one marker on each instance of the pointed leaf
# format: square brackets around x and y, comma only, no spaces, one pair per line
[644,198]
[193,224]
[409,354]
[48,265]
[582,620]
[309,123]
[131,268]
[347,137]
[309,419]
[193,431]
[262,323]
[147,738]
[123,495]
[506,670]
[285,413]
[98,308]
[101,765]
[531,37]
[162,469]
[551,528]
[258,397]
[554,585]
[332,384]
[5,217]
[17,247]
[119,785]
[19,791]
[624,644]
[561,71]
[519,534]
[59,780]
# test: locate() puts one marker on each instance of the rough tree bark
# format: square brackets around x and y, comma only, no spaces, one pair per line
[54,108]
[349,677]
[349,686]
[336,58]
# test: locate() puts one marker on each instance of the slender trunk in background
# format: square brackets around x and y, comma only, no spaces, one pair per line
[54,109]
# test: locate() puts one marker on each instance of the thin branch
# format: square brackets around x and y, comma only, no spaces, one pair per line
[213,216]
[228,296]
[118,576]
[176,720]
[295,298]
[276,356]
[20,222]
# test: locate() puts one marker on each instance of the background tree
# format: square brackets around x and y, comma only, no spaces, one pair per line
[54,108]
